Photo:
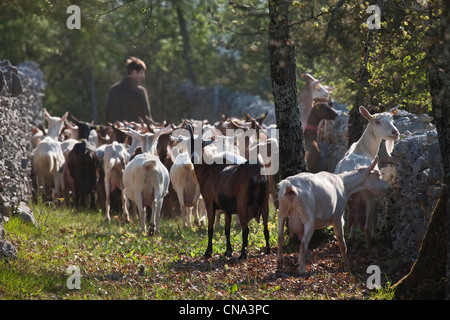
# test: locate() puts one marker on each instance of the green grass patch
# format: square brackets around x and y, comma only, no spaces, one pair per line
[117,261]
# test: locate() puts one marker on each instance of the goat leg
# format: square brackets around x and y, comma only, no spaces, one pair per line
[211,217]
[265,216]
[125,213]
[308,232]
[245,232]
[338,227]
[266,236]
[229,250]
[195,213]
[371,219]
[281,222]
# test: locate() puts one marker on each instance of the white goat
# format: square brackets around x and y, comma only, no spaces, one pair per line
[48,158]
[314,201]
[146,180]
[185,184]
[55,124]
[362,153]
[115,159]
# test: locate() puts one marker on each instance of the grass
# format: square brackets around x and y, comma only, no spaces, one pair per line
[117,261]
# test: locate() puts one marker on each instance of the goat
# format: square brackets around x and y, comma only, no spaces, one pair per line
[362,153]
[75,134]
[38,134]
[55,124]
[267,153]
[164,150]
[115,159]
[184,181]
[240,189]
[84,168]
[48,158]
[146,180]
[319,111]
[312,91]
[316,200]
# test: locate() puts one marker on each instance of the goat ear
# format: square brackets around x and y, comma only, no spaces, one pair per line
[132,133]
[75,119]
[46,114]
[308,77]
[374,163]
[316,84]
[64,117]
[394,110]
[71,125]
[366,114]
[166,130]
[330,89]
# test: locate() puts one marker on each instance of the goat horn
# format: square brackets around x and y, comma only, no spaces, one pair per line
[191,133]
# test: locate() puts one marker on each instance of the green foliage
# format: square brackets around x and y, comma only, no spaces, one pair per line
[398,63]
[228,45]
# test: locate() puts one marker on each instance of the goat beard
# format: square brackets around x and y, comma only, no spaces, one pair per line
[389,146]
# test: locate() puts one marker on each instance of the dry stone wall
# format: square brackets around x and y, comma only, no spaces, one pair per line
[21,93]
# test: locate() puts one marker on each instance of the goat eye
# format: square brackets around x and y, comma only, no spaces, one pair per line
[378,122]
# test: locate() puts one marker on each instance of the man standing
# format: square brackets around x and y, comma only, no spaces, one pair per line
[128,100]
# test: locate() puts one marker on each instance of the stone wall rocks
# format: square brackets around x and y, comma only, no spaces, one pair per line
[21,96]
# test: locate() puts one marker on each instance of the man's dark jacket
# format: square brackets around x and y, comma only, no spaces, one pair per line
[127,101]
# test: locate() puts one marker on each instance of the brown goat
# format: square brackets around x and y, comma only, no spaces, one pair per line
[236,189]
[319,111]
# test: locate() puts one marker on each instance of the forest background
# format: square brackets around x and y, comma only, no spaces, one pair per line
[210,42]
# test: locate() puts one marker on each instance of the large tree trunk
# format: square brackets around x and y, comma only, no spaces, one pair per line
[284,88]
[428,278]
[355,120]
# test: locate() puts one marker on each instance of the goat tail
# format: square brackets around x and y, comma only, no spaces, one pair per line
[149,164]
[46,163]
[288,190]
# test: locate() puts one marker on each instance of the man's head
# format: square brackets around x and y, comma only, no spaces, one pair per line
[136,69]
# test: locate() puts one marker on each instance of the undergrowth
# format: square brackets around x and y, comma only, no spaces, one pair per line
[117,261]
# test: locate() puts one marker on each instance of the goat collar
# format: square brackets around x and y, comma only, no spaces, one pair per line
[311,127]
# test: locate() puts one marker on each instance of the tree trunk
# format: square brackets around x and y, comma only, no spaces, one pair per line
[428,278]
[284,89]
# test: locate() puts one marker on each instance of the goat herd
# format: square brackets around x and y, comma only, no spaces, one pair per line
[227,166]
